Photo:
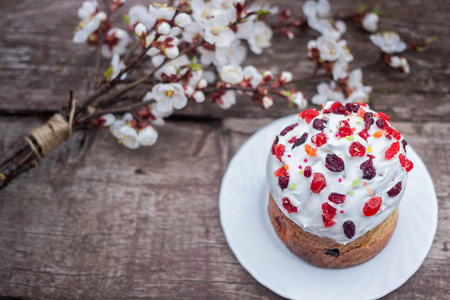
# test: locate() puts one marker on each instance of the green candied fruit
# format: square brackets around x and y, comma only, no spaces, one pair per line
[356,182]
[350,138]
[358,122]
[351,193]
[301,172]
[292,187]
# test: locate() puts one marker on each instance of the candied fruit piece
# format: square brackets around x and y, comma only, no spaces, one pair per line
[378,134]
[309,114]
[364,134]
[393,132]
[360,113]
[281,172]
[275,143]
[307,172]
[352,107]
[279,151]
[319,139]
[328,223]
[404,143]
[402,159]
[319,124]
[288,205]
[318,183]
[349,229]
[356,149]
[372,206]
[333,252]
[329,212]
[368,169]
[392,150]
[396,189]
[380,123]
[283,181]
[293,139]
[336,198]
[287,129]
[300,140]
[341,110]
[383,116]
[368,120]
[334,163]
[344,129]
[335,105]
[408,165]
[310,150]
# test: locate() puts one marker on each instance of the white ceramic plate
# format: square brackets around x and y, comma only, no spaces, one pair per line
[243,213]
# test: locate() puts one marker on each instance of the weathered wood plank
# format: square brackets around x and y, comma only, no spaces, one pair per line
[40,64]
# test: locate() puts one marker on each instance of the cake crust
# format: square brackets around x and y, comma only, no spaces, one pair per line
[325,252]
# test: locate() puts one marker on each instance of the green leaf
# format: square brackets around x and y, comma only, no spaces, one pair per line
[126,19]
[262,12]
[195,67]
[376,10]
[244,20]
[432,39]
[108,74]
[361,7]
[420,49]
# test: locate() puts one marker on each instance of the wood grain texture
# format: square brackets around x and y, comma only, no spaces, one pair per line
[144,224]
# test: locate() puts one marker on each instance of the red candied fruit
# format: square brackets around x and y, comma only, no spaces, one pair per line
[344,129]
[383,116]
[393,132]
[279,151]
[283,181]
[402,159]
[356,149]
[319,124]
[307,172]
[364,134]
[288,205]
[372,206]
[408,165]
[380,123]
[340,110]
[275,143]
[287,129]
[319,139]
[293,139]
[404,143]
[368,120]
[352,107]
[318,183]
[336,198]
[368,169]
[334,163]
[300,140]
[309,114]
[328,223]
[396,189]
[349,229]
[329,212]
[281,172]
[392,150]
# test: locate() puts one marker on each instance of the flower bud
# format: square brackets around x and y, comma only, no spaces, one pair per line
[199,97]
[140,30]
[183,20]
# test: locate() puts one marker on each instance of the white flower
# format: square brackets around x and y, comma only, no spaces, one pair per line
[140,13]
[327,92]
[218,33]
[340,69]
[164,28]
[399,63]
[108,120]
[87,27]
[199,96]
[195,77]
[260,37]
[170,48]
[231,74]
[158,116]
[210,76]
[177,63]
[126,134]
[117,65]
[370,22]
[87,9]
[285,77]
[116,42]
[192,32]
[328,48]
[317,14]
[227,100]
[183,20]
[251,74]
[388,41]
[235,54]
[299,99]
[359,92]
[140,30]
[202,83]
[188,90]
[267,102]
[159,11]
[147,136]
[169,95]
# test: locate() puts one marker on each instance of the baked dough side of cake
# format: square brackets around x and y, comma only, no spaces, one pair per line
[325,252]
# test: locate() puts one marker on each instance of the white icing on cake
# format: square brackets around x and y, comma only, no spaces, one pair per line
[309,204]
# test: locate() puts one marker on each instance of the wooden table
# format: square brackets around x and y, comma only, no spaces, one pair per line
[122,224]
